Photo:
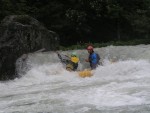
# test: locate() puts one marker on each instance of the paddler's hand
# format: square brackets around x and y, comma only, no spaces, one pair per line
[87,60]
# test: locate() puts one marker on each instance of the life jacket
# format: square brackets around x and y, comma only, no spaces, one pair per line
[73,65]
[98,57]
[75,59]
[94,58]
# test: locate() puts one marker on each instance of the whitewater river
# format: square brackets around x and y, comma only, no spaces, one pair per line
[121,86]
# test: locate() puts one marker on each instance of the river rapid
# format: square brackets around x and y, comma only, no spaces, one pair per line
[121,85]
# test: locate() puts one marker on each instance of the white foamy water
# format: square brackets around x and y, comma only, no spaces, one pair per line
[119,87]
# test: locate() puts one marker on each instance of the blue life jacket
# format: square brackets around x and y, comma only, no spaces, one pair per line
[94,58]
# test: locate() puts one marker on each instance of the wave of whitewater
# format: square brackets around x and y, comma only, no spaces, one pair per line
[122,86]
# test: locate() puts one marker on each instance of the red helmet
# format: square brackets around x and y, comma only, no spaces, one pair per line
[90,48]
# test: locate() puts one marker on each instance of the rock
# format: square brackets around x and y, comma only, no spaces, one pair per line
[22,34]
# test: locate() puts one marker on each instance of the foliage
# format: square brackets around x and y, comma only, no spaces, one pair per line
[95,21]
[114,43]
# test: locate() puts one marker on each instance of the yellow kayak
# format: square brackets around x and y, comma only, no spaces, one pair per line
[85,73]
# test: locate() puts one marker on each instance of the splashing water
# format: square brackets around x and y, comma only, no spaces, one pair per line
[119,87]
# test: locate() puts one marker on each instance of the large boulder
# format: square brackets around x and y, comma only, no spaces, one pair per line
[21,34]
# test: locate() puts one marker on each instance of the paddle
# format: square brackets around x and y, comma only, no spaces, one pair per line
[63,58]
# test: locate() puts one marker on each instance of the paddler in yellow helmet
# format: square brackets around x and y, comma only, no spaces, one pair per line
[73,65]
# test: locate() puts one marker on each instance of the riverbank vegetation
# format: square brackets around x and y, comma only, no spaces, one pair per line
[100,22]
[111,43]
